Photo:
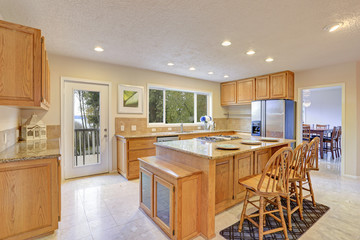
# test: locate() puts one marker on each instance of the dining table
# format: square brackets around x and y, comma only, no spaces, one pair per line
[320,133]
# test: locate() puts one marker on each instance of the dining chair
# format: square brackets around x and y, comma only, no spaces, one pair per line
[306,135]
[333,141]
[266,186]
[311,164]
[338,141]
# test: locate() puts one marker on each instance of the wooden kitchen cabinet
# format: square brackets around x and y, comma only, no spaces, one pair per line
[24,67]
[224,183]
[243,167]
[262,87]
[175,196]
[128,152]
[30,198]
[228,93]
[261,158]
[245,91]
[282,85]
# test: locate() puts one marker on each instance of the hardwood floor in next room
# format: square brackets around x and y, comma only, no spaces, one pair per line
[106,207]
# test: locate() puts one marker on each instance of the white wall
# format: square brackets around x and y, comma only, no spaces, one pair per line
[325,107]
[9,117]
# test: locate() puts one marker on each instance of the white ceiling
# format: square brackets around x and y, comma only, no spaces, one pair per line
[150,33]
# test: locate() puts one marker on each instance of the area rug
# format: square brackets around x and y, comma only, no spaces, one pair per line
[311,215]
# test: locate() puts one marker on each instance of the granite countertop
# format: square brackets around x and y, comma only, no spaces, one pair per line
[31,150]
[208,149]
[161,134]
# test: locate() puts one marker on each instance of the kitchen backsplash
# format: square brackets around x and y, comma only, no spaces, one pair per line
[9,140]
[241,124]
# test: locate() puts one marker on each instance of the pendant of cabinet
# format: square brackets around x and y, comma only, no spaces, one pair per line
[261,158]
[282,85]
[245,91]
[262,87]
[243,167]
[223,183]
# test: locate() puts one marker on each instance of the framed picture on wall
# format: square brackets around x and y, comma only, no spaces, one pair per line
[130,99]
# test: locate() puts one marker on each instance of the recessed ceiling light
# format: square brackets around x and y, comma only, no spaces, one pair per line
[170,64]
[333,27]
[98,49]
[226,76]
[192,69]
[250,52]
[269,59]
[210,73]
[226,43]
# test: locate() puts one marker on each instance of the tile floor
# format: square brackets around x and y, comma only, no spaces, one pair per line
[106,207]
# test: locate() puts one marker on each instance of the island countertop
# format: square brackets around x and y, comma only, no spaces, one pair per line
[209,150]
[23,151]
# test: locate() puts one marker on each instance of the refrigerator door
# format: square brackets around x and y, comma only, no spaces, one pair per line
[275,118]
[256,118]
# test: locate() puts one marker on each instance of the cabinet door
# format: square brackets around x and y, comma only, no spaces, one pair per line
[223,183]
[261,158]
[164,205]
[146,191]
[243,167]
[228,93]
[245,91]
[20,68]
[262,88]
[278,86]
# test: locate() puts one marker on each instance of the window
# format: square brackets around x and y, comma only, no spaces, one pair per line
[171,106]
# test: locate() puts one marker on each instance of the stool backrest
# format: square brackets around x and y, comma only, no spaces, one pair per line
[312,154]
[298,163]
[334,133]
[322,126]
[275,176]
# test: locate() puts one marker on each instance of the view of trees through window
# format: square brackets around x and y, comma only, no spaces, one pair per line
[179,106]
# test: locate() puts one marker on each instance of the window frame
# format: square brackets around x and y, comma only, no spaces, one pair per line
[164,88]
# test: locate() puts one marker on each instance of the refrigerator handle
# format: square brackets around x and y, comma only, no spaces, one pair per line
[263,118]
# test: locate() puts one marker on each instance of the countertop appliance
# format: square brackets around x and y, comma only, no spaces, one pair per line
[273,118]
[167,138]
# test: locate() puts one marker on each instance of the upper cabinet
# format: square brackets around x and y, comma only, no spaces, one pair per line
[262,87]
[228,93]
[24,70]
[273,86]
[282,85]
[245,91]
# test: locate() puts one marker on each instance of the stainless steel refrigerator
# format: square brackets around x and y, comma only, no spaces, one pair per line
[273,118]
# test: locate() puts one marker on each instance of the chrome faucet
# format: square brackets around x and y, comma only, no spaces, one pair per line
[181,127]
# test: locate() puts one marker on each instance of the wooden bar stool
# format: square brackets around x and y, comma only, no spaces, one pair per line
[312,164]
[267,186]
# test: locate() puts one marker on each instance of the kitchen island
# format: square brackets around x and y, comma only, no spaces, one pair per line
[192,180]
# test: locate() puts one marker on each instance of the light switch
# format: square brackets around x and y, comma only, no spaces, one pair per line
[133,127]
[122,128]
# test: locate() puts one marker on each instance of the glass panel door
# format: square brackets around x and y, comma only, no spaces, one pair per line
[164,204]
[146,181]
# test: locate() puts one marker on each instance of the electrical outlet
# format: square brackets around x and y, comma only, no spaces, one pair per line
[5,138]
[122,128]
[169,129]
[17,134]
[199,127]
[133,127]
[153,129]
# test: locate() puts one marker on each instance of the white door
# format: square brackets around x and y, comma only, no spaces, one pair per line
[86,124]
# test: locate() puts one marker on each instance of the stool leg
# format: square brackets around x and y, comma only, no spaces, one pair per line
[311,189]
[282,217]
[298,202]
[288,209]
[243,211]
[261,218]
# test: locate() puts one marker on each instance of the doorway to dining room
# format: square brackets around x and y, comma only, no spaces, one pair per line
[322,111]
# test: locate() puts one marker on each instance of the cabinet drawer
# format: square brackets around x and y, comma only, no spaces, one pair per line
[135,154]
[134,169]
[141,143]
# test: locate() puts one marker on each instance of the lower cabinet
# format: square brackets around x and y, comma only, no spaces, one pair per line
[224,183]
[29,198]
[243,167]
[261,158]
[170,196]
